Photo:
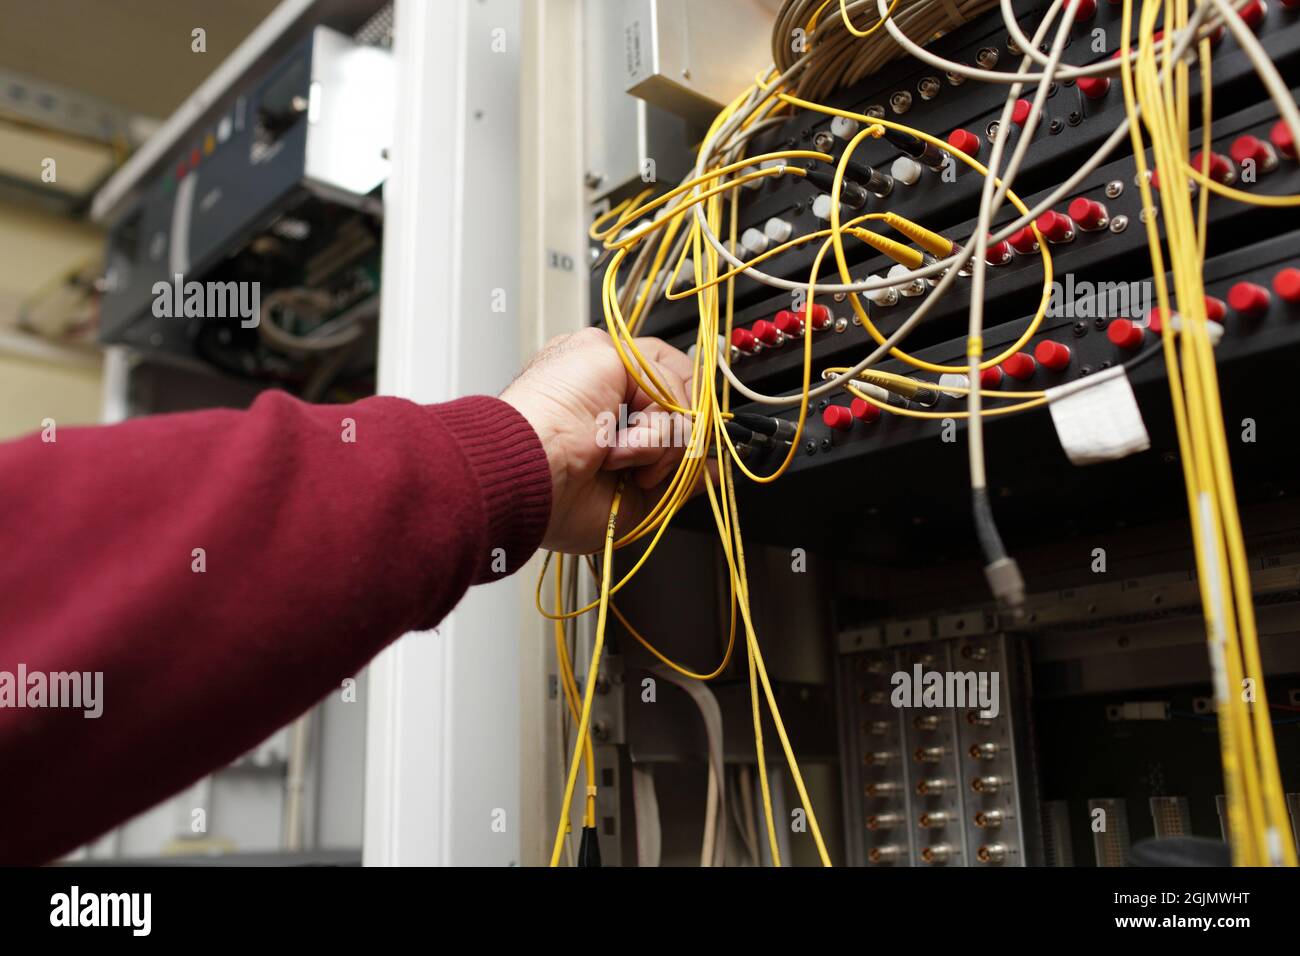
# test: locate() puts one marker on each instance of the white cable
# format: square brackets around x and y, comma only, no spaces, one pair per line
[997,76]
[1264,66]
[645,810]
[1182,41]
[988,207]
[953,264]
[713,852]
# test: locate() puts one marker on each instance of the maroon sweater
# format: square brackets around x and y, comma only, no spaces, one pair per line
[316,552]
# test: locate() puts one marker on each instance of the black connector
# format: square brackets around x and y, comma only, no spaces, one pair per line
[873,179]
[739,434]
[589,848]
[917,148]
[777,428]
[851,194]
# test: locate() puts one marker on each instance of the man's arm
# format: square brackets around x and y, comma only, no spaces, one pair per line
[224,571]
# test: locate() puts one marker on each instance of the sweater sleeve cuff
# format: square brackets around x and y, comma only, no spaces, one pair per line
[514,479]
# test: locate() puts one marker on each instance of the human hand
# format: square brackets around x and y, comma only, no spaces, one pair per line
[567,392]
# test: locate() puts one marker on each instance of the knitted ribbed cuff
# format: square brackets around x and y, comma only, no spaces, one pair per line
[513,475]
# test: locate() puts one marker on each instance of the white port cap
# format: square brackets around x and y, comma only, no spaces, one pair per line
[753,241]
[722,348]
[949,380]
[906,170]
[685,276]
[908,287]
[881,296]
[753,183]
[778,230]
[844,127]
[822,207]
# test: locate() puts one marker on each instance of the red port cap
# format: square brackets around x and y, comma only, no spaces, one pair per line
[789,323]
[1054,355]
[1253,13]
[1084,9]
[1088,213]
[1125,334]
[999,253]
[1019,366]
[863,410]
[838,417]
[1215,309]
[1153,320]
[1287,282]
[1281,138]
[991,377]
[1220,167]
[821,316]
[766,332]
[1251,148]
[744,340]
[1055,226]
[1020,112]
[1248,298]
[1094,87]
[964,140]
[1023,241]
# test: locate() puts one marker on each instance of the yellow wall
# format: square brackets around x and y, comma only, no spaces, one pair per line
[36,248]
[32,390]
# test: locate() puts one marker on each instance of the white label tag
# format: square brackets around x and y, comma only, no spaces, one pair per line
[1097,418]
